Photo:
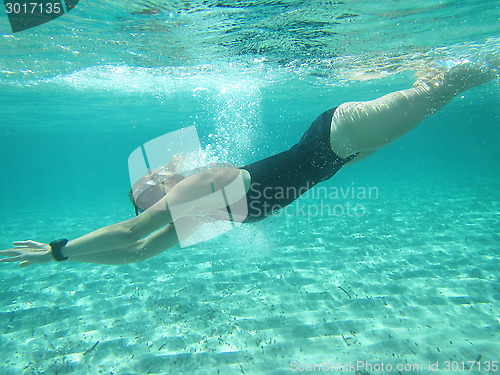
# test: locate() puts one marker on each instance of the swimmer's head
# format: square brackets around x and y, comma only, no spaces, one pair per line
[151,188]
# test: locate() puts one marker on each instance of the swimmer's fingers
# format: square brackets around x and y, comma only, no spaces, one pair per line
[19,258]
[12,255]
[15,251]
[27,252]
[12,259]
[32,245]
[26,259]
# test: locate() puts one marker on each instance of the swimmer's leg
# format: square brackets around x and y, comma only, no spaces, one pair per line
[365,127]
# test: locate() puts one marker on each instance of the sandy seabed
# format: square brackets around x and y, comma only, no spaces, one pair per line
[411,287]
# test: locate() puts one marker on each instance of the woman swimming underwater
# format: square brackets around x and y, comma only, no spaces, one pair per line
[338,137]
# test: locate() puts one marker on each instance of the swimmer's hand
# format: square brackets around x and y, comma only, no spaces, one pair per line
[27,253]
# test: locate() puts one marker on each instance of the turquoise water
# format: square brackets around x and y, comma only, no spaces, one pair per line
[414,280]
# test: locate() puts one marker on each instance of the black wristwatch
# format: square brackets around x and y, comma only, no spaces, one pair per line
[56,247]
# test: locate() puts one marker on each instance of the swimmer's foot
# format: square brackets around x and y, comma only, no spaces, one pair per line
[467,75]
[458,76]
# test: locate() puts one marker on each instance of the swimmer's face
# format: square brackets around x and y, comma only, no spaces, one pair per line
[151,188]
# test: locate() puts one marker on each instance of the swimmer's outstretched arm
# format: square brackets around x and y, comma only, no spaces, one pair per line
[115,244]
[138,238]
[154,244]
